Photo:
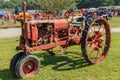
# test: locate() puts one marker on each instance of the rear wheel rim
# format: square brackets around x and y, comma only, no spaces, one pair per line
[97,41]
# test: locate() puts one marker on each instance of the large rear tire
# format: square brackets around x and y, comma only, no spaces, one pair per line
[96,41]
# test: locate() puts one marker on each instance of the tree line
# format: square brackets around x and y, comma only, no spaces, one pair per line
[57,5]
[96,3]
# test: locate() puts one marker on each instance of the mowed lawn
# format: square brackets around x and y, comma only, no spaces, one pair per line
[114,22]
[9,24]
[68,66]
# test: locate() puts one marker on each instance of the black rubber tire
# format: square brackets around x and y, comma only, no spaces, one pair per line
[83,43]
[14,61]
[20,64]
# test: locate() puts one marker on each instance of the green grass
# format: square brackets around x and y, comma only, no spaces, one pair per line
[115,22]
[9,24]
[68,66]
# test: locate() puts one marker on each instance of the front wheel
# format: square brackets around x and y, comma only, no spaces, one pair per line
[14,61]
[28,65]
[96,41]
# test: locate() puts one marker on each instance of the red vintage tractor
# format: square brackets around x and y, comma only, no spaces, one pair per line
[46,34]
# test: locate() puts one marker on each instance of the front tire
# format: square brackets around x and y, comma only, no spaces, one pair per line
[14,61]
[28,65]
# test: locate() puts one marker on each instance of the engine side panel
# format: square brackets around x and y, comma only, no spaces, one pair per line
[34,34]
[61,24]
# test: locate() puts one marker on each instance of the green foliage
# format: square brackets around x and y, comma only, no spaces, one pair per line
[117,2]
[50,6]
[96,3]
[108,2]
[54,6]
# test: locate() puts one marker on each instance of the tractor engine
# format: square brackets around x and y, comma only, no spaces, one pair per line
[48,31]
[44,33]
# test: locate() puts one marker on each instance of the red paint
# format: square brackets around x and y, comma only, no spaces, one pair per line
[61,24]
[29,68]
[34,33]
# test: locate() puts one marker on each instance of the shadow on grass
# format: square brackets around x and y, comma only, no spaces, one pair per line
[67,61]
[6,75]
[63,62]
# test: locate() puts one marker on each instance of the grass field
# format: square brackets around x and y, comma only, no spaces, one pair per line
[115,22]
[68,66]
[10,24]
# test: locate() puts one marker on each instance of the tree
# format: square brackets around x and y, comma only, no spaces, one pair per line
[51,6]
[88,3]
[54,6]
[2,2]
[117,2]
[108,2]
[95,3]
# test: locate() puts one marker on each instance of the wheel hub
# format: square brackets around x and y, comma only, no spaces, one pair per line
[28,67]
[97,40]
